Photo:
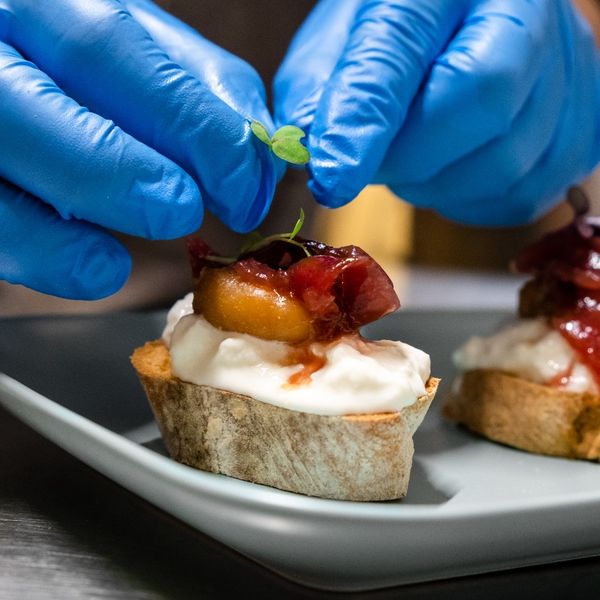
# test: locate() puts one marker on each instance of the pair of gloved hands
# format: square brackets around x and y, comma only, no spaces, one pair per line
[125,118]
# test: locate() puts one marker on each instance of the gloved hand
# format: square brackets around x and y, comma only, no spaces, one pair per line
[486,110]
[115,114]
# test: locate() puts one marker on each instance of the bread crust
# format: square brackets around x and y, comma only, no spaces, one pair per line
[355,457]
[526,415]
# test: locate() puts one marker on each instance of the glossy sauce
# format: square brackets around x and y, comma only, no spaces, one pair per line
[566,287]
[581,329]
[562,379]
[309,362]
[338,289]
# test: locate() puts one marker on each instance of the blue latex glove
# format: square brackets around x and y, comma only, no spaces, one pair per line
[125,118]
[486,110]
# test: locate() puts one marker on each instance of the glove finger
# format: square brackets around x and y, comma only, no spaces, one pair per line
[491,211]
[389,52]
[72,259]
[227,76]
[103,58]
[475,88]
[83,165]
[310,61]
[573,151]
[492,170]
[575,148]
[486,211]
[571,155]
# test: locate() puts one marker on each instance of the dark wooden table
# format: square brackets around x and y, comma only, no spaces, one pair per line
[67,532]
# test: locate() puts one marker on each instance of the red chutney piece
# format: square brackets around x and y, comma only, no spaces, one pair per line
[565,288]
[342,289]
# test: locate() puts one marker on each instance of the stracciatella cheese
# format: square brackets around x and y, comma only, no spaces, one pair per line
[180,309]
[529,349]
[358,377]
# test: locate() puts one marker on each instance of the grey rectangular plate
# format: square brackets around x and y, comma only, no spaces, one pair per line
[473,506]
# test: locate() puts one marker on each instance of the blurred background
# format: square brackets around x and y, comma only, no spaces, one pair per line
[410,243]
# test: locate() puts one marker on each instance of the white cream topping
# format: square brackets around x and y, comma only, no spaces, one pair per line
[530,349]
[180,309]
[358,376]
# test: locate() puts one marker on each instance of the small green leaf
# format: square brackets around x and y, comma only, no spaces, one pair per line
[285,142]
[260,131]
[291,150]
[288,132]
[298,225]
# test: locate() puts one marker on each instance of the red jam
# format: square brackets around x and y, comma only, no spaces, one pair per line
[565,288]
[309,361]
[341,289]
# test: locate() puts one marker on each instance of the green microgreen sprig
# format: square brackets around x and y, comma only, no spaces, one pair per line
[284,143]
[254,241]
[257,242]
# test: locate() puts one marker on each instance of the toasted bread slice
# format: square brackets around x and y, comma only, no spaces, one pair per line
[358,457]
[526,415]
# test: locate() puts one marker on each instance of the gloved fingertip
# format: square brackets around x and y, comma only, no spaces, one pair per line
[337,175]
[280,168]
[252,218]
[249,212]
[326,197]
[188,212]
[100,270]
[177,211]
[496,212]
[332,183]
